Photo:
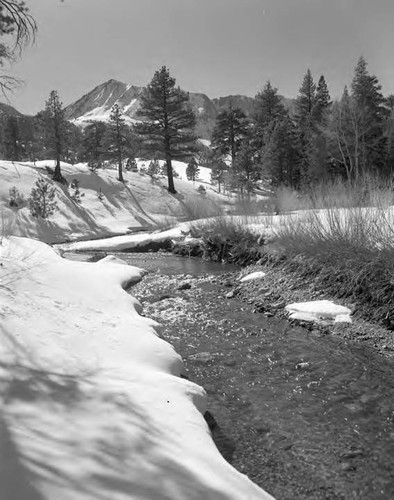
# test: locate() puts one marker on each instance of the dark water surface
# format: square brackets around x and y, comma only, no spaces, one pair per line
[164,263]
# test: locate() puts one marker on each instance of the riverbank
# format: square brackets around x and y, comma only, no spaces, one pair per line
[305,413]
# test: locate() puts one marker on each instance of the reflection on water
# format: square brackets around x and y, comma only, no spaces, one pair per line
[164,263]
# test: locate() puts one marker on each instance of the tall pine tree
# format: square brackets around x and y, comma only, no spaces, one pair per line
[231,128]
[373,114]
[117,139]
[169,127]
[54,127]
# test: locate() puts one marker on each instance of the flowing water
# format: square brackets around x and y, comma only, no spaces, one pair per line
[160,262]
[312,415]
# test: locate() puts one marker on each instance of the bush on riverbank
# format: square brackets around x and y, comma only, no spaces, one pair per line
[226,240]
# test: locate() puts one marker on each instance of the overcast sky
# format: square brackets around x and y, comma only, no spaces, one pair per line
[218,47]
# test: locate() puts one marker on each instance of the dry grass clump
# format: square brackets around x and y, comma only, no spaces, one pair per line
[225,239]
[350,248]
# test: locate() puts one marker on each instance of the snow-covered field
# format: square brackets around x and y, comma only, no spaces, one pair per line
[107,206]
[92,403]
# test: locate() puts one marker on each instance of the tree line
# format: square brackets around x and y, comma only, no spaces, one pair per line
[319,139]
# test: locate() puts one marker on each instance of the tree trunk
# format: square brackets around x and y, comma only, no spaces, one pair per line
[57,176]
[120,170]
[170,177]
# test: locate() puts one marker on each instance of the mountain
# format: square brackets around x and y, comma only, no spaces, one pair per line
[96,105]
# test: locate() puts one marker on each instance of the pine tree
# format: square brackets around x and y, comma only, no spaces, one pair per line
[373,113]
[322,101]
[268,108]
[306,100]
[306,124]
[231,128]
[282,158]
[170,121]
[42,199]
[192,170]
[153,168]
[246,168]
[92,144]
[219,172]
[54,127]
[117,139]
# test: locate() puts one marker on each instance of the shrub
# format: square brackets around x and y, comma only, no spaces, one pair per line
[42,199]
[76,192]
[15,198]
[94,166]
[201,189]
[225,240]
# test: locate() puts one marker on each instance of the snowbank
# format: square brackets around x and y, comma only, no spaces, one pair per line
[128,241]
[92,405]
[108,207]
[318,311]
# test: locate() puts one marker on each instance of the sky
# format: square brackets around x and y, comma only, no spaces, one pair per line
[217,47]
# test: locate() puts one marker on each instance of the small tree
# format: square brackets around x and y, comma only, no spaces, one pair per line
[15,198]
[219,172]
[230,130]
[153,168]
[192,170]
[42,199]
[76,192]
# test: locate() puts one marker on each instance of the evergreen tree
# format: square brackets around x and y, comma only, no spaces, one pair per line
[117,139]
[42,201]
[230,130]
[268,109]
[305,106]
[219,172]
[373,114]
[192,170]
[282,158]
[54,129]
[322,101]
[92,150]
[153,168]
[246,168]
[306,101]
[169,129]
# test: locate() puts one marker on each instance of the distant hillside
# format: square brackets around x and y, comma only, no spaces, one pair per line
[7,110]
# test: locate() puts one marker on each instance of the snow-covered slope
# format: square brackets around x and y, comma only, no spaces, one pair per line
[108,207]
[92,403]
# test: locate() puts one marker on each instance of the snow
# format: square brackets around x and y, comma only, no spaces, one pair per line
[92,403]
[319,311]
[127,242]
[139,204]
[253,276]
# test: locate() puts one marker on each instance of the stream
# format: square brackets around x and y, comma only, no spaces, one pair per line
[311,415]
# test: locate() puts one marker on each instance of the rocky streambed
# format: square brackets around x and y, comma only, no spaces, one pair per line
[306,412]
